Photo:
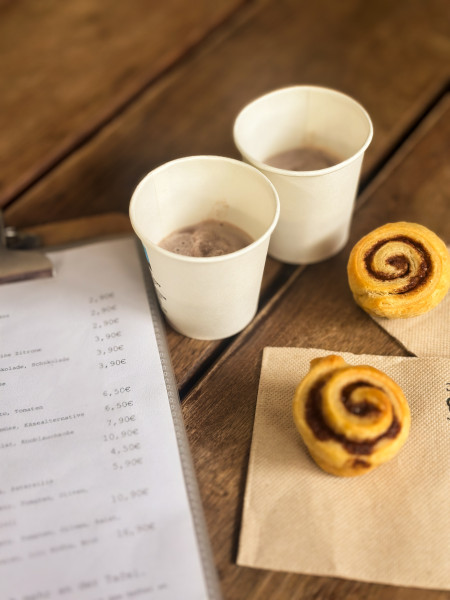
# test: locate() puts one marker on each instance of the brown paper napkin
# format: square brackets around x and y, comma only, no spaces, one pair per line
[426,335]
[391,525]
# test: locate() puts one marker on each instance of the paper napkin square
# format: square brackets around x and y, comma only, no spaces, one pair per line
[425,335]
[391,525]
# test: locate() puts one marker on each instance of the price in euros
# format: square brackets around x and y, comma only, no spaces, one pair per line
[132,462]
[112,363]
[126,532]
[105,323]
[119,405]
[109,350]
[100,297]
[125,433]
[133,494]
[117,391]
[126,448]
[108,336]
[121,420]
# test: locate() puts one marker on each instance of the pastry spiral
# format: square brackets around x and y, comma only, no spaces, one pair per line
[399,270]
[351,418]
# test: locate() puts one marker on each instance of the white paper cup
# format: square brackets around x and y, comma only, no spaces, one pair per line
[208,297]
[316,206]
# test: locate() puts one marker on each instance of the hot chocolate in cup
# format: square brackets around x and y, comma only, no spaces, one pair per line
[206,297]
[207,238]
[310,142]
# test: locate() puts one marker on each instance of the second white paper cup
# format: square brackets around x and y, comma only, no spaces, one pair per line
[316,206]
[206,297]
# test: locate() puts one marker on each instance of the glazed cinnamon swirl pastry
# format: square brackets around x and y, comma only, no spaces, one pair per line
[399,270]
[351,418]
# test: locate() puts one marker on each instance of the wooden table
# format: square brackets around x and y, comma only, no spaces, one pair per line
[96,94]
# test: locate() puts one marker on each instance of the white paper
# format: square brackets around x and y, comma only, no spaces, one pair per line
[93,502]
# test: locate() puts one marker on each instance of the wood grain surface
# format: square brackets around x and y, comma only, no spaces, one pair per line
[392,57]
[68,67]
[95,95]
[191,110]
[314,310]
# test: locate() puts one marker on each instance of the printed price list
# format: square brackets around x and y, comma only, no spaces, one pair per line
[93,483]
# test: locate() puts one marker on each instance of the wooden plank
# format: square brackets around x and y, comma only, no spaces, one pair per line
[68,67]
[191,110]
[315,309]
[391,56]
[78,230]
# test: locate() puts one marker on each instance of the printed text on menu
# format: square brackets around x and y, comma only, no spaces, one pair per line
[93,504]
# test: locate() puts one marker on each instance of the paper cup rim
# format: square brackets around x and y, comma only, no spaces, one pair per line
[206,259]
[317,172]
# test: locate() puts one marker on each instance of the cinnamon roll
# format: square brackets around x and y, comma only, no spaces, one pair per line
[351,418]
[399,270]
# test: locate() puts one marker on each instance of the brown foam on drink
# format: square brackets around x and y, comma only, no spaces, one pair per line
[207,238]
[305,158]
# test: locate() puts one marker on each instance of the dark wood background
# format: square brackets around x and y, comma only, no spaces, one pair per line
[96,94]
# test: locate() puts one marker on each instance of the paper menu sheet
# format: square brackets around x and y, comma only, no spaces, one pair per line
[93,495]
